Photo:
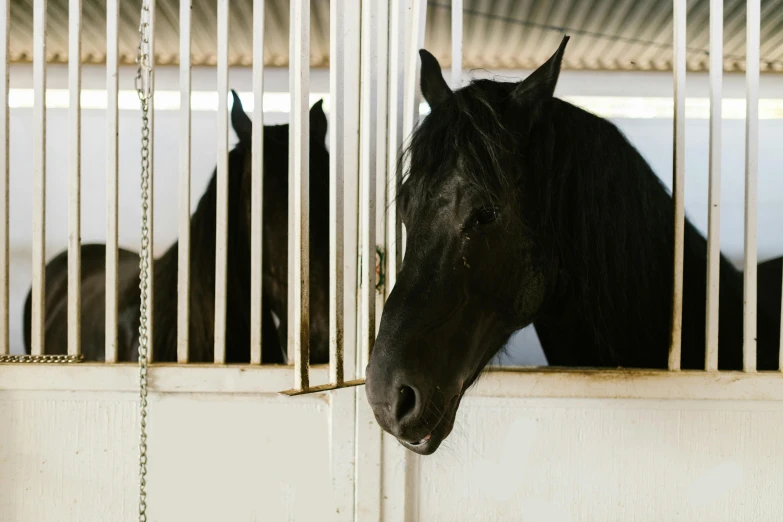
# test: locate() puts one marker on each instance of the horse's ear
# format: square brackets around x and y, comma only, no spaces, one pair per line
[318,122]
[239,120]
[433,87]
[542,82]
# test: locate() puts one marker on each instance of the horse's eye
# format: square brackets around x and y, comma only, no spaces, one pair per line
[485,216]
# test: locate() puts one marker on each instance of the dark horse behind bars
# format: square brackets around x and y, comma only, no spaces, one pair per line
[521,208]
[202,266]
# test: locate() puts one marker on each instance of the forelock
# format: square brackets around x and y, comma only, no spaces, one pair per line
[465,134]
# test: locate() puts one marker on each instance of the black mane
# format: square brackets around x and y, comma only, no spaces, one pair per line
[612,224]
[470,125]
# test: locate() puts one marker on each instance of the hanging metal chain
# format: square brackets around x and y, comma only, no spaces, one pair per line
[41,359]
[144,90]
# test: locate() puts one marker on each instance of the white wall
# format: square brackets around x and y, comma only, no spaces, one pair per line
[653,137]
[527,446]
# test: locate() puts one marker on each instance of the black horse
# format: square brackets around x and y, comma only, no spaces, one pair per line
[521,208]
[770,288]
[202,266]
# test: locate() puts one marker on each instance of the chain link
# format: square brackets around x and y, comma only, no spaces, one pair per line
[143,88]
[41,359]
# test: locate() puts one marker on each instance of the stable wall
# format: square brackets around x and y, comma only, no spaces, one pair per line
[527,446]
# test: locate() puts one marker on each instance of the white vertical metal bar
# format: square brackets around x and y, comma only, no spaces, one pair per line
[396,80]
[112,169]
[381,160]
[418,21]
[342,418]
[372,160]
[183,244]
[352,65]
[780,344]
[39,177]
[367,170]
[751,181]
[713,233]
[5,16]
[221,222]
[257,188]
[369,435]
[300,120]
[74,177]
[352,70]
[292,278]
[151,203]
[456,44]
[336,190]
[675,347]
[415,42]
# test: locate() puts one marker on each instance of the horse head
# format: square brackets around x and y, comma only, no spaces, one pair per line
[474,270]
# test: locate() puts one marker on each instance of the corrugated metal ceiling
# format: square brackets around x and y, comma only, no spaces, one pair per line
[607,34]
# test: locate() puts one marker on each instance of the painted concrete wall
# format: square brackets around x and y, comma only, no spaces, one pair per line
[540,447]
[73,457]
[566,460]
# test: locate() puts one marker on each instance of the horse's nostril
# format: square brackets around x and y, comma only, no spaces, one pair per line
[405,403]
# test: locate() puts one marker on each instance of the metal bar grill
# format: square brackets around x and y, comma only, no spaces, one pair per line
[300,197]
[74,177]
[221,222]
[344,128]
[415,42]
[5,16]
[410,115]
[751,182]
[396,79]
[290,311]
[713,233]
[151,201]
[257,188]
[112,169]
[367,170]
[388,113]
[183,245]
[381,161]
[456,44]
[675,348]
[336,191]
[351,126]
[39,177]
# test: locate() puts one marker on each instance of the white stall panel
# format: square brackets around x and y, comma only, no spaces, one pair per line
[569,460]
[213,457]
[66,456]
[239,458]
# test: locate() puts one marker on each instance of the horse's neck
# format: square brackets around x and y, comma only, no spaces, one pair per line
[202,262]
[202,288]
[616,309]
[643,342]
[564,338]
[632,336]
